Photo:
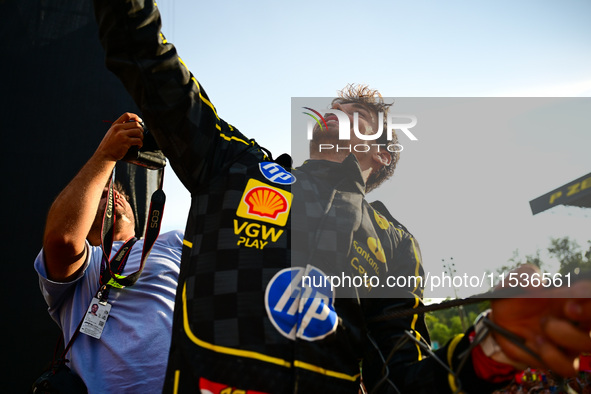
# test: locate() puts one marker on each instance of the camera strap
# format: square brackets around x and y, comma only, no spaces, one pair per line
[116,265]
[111,275]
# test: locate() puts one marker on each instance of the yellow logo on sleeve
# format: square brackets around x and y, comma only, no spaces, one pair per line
[381,220]
[376,248]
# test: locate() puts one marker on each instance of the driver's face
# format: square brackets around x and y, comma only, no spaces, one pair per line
[367,119]
[367,123]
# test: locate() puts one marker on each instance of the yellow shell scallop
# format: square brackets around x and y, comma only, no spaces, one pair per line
[266,202]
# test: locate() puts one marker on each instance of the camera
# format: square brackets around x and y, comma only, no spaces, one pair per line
[59,379]
[149,155]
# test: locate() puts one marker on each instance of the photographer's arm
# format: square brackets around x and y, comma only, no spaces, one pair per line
[72,214]
[176,109]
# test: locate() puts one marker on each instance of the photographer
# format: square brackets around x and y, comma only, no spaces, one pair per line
[131,354]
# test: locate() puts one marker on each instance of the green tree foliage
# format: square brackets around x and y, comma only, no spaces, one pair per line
[568,252]
[445,324]
[516,260]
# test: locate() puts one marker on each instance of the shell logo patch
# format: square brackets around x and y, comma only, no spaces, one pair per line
[264,203]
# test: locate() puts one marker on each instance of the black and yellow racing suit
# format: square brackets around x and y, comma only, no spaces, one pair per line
[242,319]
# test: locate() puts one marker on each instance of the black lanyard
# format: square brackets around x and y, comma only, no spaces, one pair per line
[111,268]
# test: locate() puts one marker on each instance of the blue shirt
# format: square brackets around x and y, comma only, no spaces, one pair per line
[132,354]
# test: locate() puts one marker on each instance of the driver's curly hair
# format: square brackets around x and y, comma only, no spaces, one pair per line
[372,99]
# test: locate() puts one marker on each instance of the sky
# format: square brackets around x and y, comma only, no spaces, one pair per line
[463,192]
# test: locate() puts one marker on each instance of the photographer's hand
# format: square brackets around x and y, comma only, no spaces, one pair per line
[124,133]
[73,213]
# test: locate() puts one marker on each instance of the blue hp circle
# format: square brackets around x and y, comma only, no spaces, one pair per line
[299,303]
[276,174]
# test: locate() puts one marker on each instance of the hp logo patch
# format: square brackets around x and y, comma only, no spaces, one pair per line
[298,311]
[276,174]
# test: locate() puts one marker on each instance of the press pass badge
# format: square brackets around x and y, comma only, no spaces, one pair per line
[95,319]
